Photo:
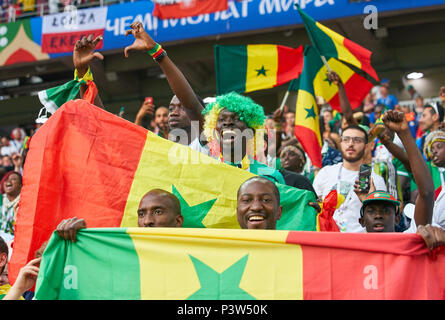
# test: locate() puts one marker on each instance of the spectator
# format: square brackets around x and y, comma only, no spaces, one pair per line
[18,136]
[380,211]
[7,148]
[412,92]
[431,119]
[7,163]
[11,186]
[342,177]
[4,254]
[157,208]
[161,120]
[258,204]
[289,125]
[388,100]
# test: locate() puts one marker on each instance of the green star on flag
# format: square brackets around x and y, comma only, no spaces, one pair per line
[327,80]
[193,215]
[261,71]
[215,285]
[310,112]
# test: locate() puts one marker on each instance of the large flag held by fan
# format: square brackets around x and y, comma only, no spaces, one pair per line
[88,163]
[212,264]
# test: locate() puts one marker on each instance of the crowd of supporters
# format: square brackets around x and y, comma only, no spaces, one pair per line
[11,10]
[404,147]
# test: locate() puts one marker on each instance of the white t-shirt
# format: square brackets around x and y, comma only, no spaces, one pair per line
[196,145]
[347,215]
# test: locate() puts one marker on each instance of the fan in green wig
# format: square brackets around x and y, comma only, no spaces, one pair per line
[234,127]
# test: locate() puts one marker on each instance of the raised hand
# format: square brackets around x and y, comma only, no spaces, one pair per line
[395,121]
[278,114]
[142,41]
[334,77]
[84,53]
[362,195]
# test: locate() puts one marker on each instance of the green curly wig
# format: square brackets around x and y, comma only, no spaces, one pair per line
[248,111]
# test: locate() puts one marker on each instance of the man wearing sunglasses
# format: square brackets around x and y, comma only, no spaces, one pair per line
[342,177]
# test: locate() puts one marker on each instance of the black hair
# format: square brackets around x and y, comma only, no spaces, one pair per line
[440,111]
[3,249]
[356,127]
[259,178]
[174,200]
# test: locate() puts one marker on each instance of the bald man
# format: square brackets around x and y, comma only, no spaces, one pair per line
[158,208]
[258,204]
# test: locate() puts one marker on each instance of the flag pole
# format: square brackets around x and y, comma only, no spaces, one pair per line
[284,100]
[325,63]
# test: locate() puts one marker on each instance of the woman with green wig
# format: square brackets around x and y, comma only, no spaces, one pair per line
[234,127]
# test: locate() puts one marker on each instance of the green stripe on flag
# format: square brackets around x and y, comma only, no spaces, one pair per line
[67,269]
[54,98]
[230,68]
[321,41]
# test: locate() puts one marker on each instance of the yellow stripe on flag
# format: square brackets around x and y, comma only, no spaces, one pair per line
[322,86]
[342,52]
[262,67]
[164,164]
[272,269]
[306,114]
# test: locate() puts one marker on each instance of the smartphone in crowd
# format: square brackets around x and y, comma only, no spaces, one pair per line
[364,177]
[149,100]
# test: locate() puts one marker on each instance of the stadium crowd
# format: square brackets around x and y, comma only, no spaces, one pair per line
[403,190]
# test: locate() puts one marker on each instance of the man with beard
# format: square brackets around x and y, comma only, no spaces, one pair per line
[342,177]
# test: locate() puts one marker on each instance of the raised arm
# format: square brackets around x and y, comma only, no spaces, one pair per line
[82,56]
[178,83]
[423,213]
[344,102]
[395,150]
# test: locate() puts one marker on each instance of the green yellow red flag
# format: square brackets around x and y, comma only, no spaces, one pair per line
[307,128]
[229,264]
[87,163]
[254,67]
[356,86]
[330,44]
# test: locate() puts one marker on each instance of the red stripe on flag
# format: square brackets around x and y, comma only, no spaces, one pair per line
[364,266]
[309,141]
[363,55]
[290,63]
[65,41]
[81,163]
[357,87]
[437,192]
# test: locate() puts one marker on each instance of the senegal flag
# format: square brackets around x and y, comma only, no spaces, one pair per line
[307,128]
[87,163]
[356,86]
[333,45]
[254,67]
[213,264]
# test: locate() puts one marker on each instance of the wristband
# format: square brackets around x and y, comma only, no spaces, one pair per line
[161,56]
[87,76]
[156,51]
